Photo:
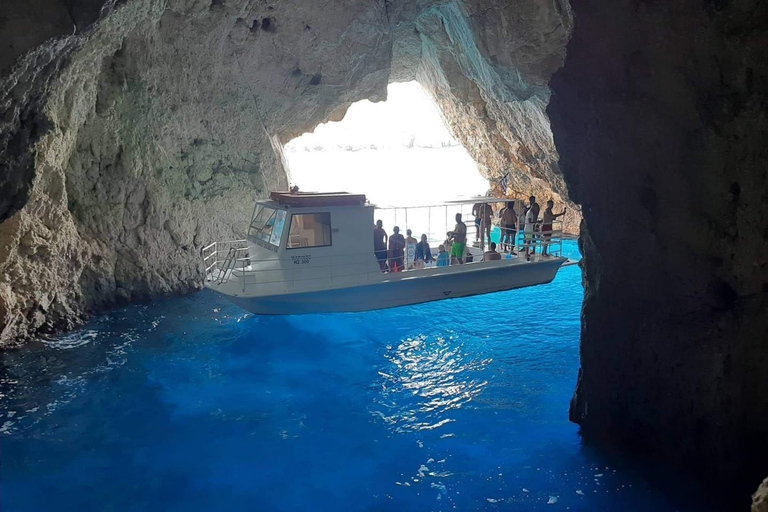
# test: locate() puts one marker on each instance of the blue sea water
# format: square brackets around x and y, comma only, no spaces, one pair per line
[193,404]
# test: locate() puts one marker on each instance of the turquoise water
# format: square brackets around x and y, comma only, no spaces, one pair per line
[193,404]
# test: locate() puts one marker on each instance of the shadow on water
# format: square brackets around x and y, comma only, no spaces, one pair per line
[194,404]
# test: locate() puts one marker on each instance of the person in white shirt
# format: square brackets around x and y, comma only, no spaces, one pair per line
[530,225]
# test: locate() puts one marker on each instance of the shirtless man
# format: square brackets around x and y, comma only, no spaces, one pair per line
[546,224]
[486,212]
[459,237]
[478,219]
[508,225]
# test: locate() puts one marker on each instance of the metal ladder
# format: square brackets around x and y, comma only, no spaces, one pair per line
[227,266]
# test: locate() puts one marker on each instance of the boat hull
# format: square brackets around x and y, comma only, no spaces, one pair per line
[420,288]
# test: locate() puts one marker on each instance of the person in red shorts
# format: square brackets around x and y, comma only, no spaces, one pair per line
[546,224]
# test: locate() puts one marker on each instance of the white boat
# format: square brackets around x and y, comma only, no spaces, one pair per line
[313,253]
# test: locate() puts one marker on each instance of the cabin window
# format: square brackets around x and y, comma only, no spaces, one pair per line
[310,230]
[267,227]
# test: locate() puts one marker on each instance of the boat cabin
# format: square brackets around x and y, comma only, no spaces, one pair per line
[302,240]
[326,224]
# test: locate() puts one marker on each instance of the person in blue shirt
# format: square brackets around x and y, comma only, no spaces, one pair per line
[423,253]
[443,258]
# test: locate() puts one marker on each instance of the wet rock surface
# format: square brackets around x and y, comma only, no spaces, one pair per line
[760,498]
[134,133]
[659,116]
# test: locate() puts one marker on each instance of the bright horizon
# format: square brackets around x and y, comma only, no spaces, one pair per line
[397,152]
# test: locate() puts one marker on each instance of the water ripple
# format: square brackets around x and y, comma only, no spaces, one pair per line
[72,340]
[426,379]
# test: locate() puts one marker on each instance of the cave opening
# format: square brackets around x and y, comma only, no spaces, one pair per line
[397,152]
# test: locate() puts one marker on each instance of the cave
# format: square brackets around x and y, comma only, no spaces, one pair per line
[135,132]
[398,152]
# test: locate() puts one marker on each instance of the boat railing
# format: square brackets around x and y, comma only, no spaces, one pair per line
[218,268]
[223,260]
[549,241]
[540,239]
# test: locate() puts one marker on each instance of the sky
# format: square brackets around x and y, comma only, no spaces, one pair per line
[338,156]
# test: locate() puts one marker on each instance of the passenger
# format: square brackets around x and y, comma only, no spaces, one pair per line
[528,233]
[486,214]
[448,243]
[532,204]
[459,237]
[478,219]
[423,254]
[410,249]
[508,224]
[491,254]
[546,224]
[531,219]
[396,250]
[380,245]
[443,259]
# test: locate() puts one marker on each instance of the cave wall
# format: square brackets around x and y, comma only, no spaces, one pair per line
[134,133]
[660,119]
[487,65]
[129,145]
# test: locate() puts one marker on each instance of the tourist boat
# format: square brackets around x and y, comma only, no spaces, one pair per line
[313,253]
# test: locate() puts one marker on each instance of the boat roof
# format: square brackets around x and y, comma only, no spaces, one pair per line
[481,199]
[315,199]
[300,199]
[455,202]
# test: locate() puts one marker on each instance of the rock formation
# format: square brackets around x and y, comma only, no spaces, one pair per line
[760,498]
[487,65]
[660,118]
[135,132]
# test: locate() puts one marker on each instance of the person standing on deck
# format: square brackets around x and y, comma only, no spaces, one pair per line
[380,245]
[478,219]
[533,205]
[443,258]
[486,213]
[508,224]
[423,252]
[396,250]
[410,249]
[528,234]
[459,237]
[546,224]
[531,219]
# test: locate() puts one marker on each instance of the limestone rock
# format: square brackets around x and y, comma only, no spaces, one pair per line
[134,133]
[130,144]
[760,498]
[659,118]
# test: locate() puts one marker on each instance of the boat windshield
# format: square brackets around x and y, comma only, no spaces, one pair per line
[266,228]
